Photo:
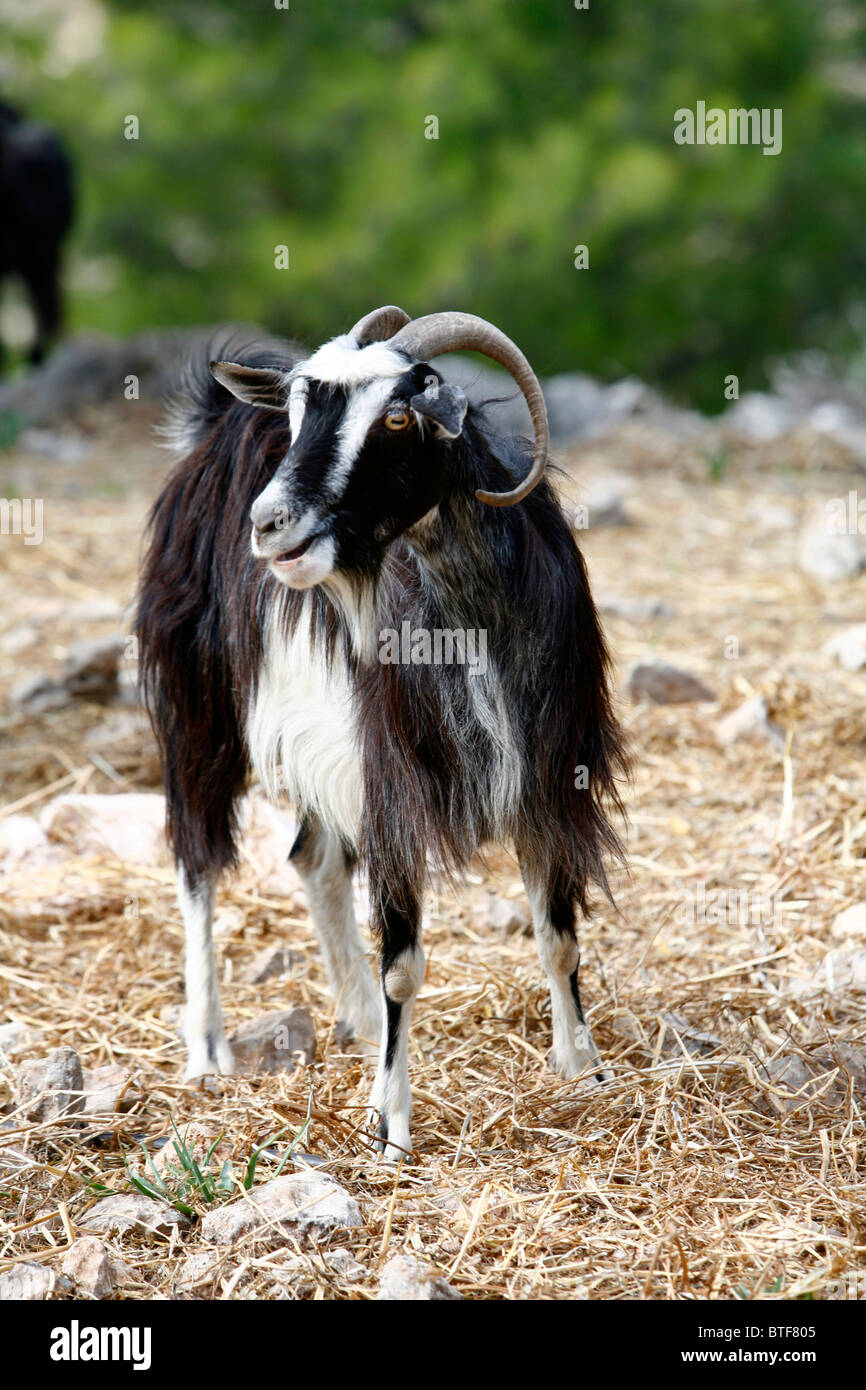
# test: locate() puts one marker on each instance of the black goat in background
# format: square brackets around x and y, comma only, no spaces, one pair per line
[36,205]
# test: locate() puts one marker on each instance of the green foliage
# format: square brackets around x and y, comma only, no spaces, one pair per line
[306,127]
[189,1180]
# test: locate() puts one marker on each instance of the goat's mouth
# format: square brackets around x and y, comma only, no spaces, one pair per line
[290,557]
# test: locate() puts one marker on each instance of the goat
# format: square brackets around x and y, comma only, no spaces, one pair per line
[365,474]
[37,199]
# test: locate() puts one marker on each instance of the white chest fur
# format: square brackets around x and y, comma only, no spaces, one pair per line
[301,729]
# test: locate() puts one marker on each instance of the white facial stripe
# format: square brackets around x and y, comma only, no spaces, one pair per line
[365,405]
[297,406]
[342,363]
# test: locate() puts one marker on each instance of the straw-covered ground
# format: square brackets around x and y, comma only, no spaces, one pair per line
[726,1157]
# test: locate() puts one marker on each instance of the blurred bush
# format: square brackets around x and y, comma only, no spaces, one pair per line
[261,126]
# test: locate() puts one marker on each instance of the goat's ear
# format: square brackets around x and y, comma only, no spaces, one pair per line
[443,404]
[263,386]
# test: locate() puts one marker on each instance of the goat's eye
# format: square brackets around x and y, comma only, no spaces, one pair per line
[397,419]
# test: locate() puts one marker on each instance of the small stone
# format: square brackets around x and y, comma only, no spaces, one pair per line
[298,1201]
[605,502]
[227,922]
[663,684]
[269,1043]
[129,826]
[28,1282]
[90,670]
[851,922]
[50,1087]
[24,845]
[843,970]
[749,720]
[344,1265]
[637,610]
[696,1042]
[16,1038]
[272,962]
[18,639]
[826,554]
[199,1269]
[90,1267]
[790,1074]
[104,1092]
[507,915]
[848,647]
[129,1211]
[406,1279]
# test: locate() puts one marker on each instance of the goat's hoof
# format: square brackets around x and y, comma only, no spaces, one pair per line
[209,1057]
[392,1140]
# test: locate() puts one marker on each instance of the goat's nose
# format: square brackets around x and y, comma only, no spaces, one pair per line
[263,514]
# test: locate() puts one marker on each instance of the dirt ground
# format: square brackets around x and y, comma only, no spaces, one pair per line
[726,1157]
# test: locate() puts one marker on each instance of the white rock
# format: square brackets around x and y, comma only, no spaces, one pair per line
[407,1279]
[747,721]
[272,963]
[129,1211]
[843,970]
[129,826]
[104,1092]
[270,1043]
[16,1038]
[49,1087]
[659,683]
[344,1264]
[18,639]
[268,834]
[24,844]
[825,554]
[851,922]
[201,1268]
[637,610]
[298,1201]
[604,499]
[848,646]
[28,1282]
[93,1271]
[508,915]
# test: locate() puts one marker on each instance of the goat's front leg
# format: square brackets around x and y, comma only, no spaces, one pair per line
[552,895]
[401,974]
[204,1031]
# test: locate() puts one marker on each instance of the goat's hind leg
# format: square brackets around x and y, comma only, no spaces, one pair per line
[325,869]
[553,895]
[208,1050]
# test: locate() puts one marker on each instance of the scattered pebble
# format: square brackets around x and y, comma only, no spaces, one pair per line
[298,1201]
[92,1269]
[47,1088]
[127,1211]
[851,922]
[662,684]
[406,1279]
[269,1043]
[750,720]
[848,647]
[272,963]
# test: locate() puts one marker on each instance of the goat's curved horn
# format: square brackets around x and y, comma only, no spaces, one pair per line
[453,332]
[379,324]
